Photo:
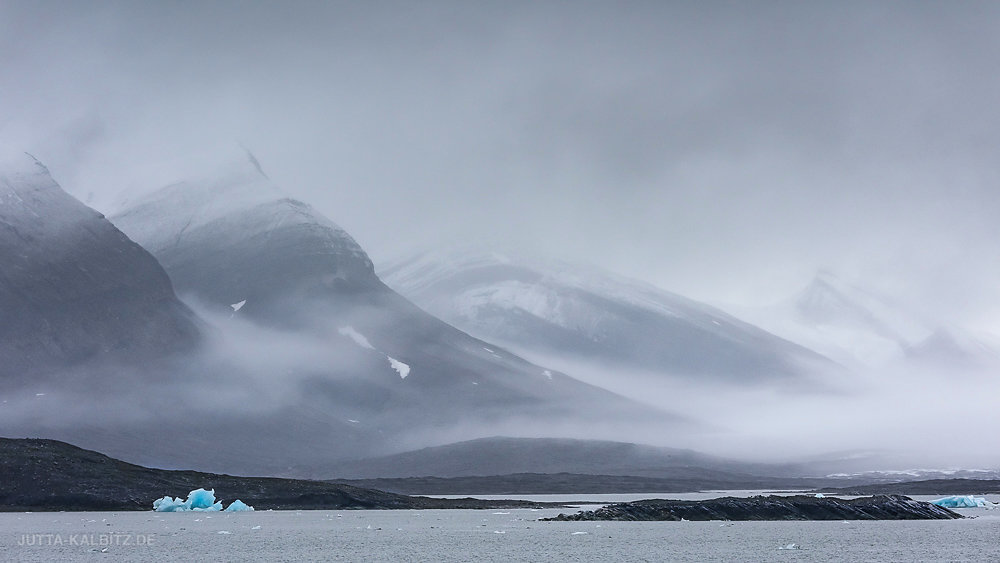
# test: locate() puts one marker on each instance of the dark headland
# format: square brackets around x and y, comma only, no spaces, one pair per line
[48,475]
[798,507]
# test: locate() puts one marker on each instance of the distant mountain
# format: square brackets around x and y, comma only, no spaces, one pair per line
[500,455]
[74,290]
[860,327]
[552,309]
[237,246]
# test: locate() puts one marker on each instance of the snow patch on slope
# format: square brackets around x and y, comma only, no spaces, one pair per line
[402,369]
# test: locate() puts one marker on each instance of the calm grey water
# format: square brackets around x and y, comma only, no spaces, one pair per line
[478,535]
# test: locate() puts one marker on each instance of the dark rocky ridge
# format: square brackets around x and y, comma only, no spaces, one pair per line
[73,288]
[47,475]
[772,507]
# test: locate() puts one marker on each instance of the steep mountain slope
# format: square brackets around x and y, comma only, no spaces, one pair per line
[545,308]
[239,246]
[74,290]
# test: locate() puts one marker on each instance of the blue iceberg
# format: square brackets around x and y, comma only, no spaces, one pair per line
[239,506]
[967,501]
[198,500]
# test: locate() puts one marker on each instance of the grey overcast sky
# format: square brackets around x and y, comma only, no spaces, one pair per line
[723,150]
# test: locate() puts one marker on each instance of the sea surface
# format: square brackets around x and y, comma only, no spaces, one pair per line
[482,535]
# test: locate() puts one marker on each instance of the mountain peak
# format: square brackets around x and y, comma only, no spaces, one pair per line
[267,246]
[256,164]
[830,301]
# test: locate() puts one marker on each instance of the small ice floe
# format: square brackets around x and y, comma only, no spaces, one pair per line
[223,532]
[238,306]
[790,546]
[820,495]
[547,374]
[580,533]
[501,513]
[239,506]
[352,421]
[39,394]
[499,532]
[257,527]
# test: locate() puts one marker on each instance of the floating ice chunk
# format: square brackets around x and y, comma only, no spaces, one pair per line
[791,546]
[356,336]
[402,369]
[202,499]
[579,533]
[547,374]
[967,501]
[238,306]
[198,500]
[820,495]
[239,506]
[168,504]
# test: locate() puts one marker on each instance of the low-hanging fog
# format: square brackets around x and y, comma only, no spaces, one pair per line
[725,151]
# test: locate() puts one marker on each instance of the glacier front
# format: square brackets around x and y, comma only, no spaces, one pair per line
[964,501]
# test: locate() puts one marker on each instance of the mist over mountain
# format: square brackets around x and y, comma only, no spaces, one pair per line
[547,308]
[864,328]
[273,270]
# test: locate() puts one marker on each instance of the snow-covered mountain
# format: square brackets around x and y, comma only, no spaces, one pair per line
[547,308]
[862,328]
[74,290]
[237,246]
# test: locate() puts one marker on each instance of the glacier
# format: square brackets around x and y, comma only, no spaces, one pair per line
[964,501]
[198,500]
